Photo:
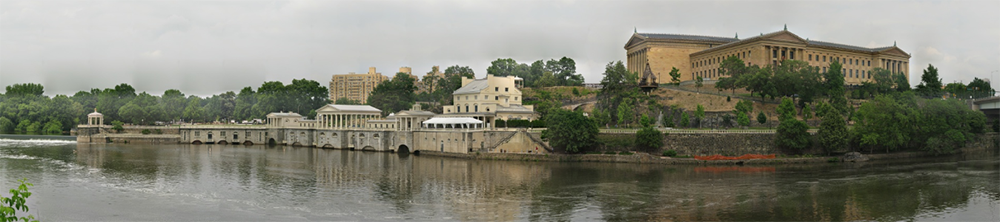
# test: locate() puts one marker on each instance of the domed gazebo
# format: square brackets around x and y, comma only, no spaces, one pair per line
[95,118]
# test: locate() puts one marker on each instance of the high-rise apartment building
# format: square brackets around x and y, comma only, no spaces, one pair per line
[355,86]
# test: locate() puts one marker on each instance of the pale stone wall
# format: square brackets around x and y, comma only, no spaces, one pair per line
[520,143]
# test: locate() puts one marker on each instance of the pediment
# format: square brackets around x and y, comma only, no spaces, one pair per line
[785,36]
[327,109]
[635,40]
[895,51]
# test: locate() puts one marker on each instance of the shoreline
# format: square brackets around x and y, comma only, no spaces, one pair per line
[645,158]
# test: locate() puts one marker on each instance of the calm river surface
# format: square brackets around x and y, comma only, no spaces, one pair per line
[115,182]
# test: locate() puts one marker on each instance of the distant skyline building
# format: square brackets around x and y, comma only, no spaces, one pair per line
[700,56]
[355,86]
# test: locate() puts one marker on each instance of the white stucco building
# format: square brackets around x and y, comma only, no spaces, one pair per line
[489,99]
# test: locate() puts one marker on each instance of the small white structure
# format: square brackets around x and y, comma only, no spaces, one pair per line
[453,123]
[95,118]
[283,119]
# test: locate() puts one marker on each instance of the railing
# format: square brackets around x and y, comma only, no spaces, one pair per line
[220,126]
[694,131]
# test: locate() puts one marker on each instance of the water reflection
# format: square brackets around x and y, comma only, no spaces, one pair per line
[288,183]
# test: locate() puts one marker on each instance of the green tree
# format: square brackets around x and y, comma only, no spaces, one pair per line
[675,75]
[930,84]
[502,67]
[699,111]
[25,89]
[900,82]
[625,113]
[732,68]
[835,87]
[16,202]
[744,106]
[742,119]
[761,118]
[833,132]
[648,138]
[564,71]
[22,126]
[53,127]
[980,88]
[791,133]
[173,104]
[243,109]
[807,112]
[570,131]
[956,89]
[698,83]
[883,80]
[685,119]
[118,126]
[346,101]
[194,112]
[394,95]
[6,126]
[884,123]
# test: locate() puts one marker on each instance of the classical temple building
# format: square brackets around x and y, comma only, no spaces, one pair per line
[700,56]
[355,86]
[490,98]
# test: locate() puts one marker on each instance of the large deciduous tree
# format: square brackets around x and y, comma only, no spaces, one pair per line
[570,131]
[394,95]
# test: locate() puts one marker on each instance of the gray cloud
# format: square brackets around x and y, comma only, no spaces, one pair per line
[208,47]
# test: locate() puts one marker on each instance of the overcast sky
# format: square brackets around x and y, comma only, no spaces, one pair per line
[208,47]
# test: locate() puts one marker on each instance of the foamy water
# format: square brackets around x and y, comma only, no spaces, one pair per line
[9,142]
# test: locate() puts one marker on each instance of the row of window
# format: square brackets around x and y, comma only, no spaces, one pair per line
[712,61]
[476,97]
[848,73]
[844,61]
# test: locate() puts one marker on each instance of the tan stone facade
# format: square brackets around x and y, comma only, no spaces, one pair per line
[701,55]
[355,86]
[489,99]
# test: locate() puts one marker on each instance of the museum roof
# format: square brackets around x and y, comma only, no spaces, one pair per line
[687,37]
[808,42]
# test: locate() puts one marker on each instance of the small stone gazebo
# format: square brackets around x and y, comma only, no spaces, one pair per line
[95,118]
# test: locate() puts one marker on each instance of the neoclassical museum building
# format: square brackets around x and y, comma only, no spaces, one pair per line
[700,56]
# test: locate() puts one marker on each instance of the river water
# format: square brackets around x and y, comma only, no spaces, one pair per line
[122,182]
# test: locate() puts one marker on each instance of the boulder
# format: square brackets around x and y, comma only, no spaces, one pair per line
[855,157]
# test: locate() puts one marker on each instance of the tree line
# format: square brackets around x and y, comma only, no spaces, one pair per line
[540,73]
[24,108]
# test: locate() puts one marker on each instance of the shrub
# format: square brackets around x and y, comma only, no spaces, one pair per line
[648,138]
[146,131]
[791,133]
[670,153]
[117,126]
[158,131]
